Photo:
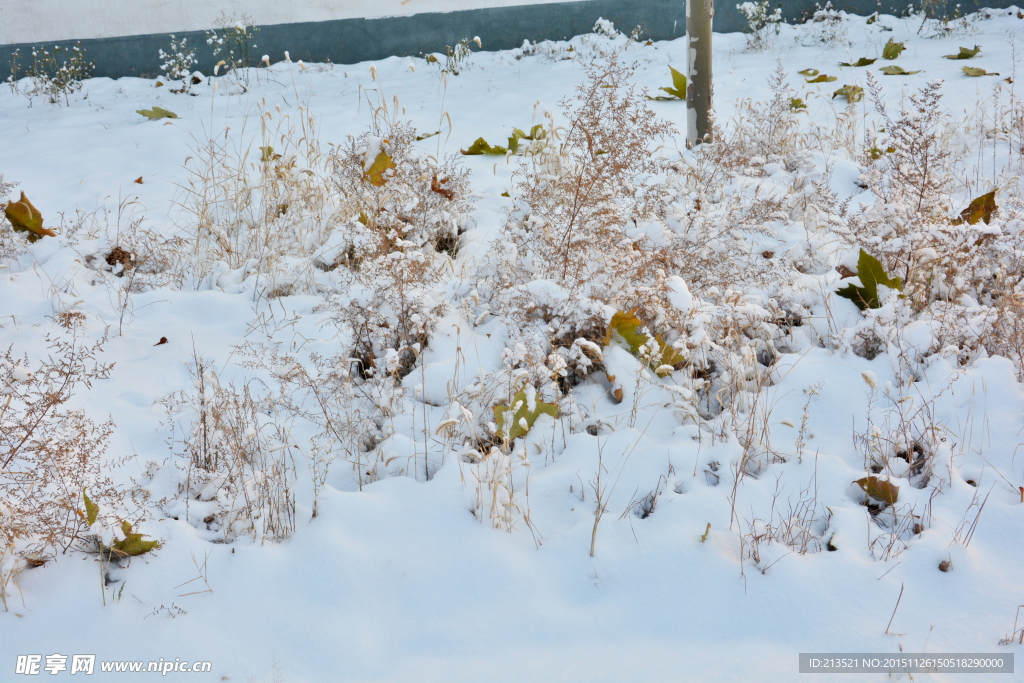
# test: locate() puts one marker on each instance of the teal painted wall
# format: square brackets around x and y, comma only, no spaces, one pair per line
[347,41]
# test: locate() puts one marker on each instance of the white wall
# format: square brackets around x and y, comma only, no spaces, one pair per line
[36,21]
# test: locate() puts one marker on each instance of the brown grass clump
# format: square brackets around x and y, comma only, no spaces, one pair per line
[581,190]
[238,476]
[50,453]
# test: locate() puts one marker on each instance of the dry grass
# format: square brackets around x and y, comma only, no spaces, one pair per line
[239,472]
[50,453]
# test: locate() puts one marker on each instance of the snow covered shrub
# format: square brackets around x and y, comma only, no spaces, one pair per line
[178,63]
[402,218]
[581,193]
[958,272]
[585,236]
[603,27]
[55,75]
[345,412]
[233,45]
[458,58]
[828,26]
[594,236]
[800,527]
[240,477]
[762,22]
[770,130]
[11,242]
[50,453]
[551,50]
[906,442]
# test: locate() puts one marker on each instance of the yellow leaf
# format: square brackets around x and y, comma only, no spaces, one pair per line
[133,544]
[26,218]
[91,509]
[980,209]
[377,173]
[879,489]
[625,324]
[157,113]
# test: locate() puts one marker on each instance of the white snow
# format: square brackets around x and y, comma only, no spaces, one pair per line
[405,577]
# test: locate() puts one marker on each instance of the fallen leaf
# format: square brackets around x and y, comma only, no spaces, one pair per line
[678,90]
[871,274]
[428,135]
[267,154]
[975,71]
[863,61]
[892,49]
[625,324]
[980,209]
[481,147]
[809,72]
[852,93]
[24,217]
[897,71]
[139,180]
[879,489]
[133,544]
[163,340]
[964,53]
[157,113]
[522,412]
[823,79]
[118,255]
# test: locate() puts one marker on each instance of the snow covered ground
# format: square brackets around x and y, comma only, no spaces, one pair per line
[733,536]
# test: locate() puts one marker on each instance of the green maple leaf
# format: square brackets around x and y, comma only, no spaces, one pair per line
[521,408]
[892,49]
[871,274]
[678,91]
[481,147]
[133,544]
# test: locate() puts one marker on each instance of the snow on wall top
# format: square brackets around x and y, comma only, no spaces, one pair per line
[27,21]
